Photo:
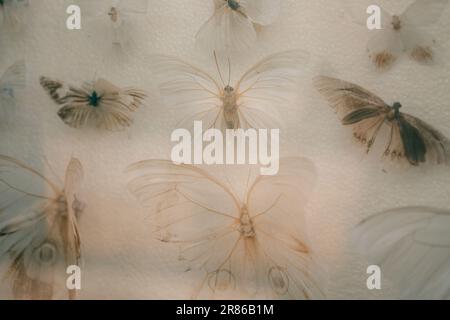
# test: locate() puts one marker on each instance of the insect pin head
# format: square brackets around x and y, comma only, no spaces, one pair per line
[94,99]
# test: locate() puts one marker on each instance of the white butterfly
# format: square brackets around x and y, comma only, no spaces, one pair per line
[253,101]
[254,245]
[119,14]
[98,102]
[12,80]
[232,26]
[401,33]
[11,12]
[38,228]
[412,247]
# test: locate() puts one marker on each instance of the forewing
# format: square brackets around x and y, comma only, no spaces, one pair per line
[263,12]
[412,247]
[384,47]
[424,12]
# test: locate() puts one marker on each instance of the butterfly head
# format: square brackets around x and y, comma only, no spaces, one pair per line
[395,113]
[233,4]
[94,99]
[396,23]
[113,14]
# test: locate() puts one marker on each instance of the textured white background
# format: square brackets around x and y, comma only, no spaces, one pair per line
[121,260]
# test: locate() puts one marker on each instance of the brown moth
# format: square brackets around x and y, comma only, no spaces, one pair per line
[99,102]
[410,138]
[39,236]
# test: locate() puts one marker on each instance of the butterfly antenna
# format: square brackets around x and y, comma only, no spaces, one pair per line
[218,68]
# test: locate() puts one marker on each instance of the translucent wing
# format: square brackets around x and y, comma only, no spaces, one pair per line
[34,235]
[227,31]
[423,143]
[419,45]
[424,12]
[13,79]
[12,12]
[287,266]
[356,106]
[357,13]
[268,87]
[133,6]
[412,247]
[384,47]
[263,12]
[189,90]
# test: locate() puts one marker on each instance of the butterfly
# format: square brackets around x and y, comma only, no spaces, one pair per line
[252,102]
[38,228]
[99,102]
[412,247]
[232,26]
[401,33]
[118,14]
[254,245]
[11,12]
[12,80]
[410,138]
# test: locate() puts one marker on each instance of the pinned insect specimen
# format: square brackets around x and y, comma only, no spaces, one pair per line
[98,102]
[254,245]
[232,26]
[412,247]
[253,102]
[116,13]
[11,12]
[12,80]
[38,228]
[401,33]
[410,138]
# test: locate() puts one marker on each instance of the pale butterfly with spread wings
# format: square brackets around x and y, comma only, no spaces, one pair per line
[117,14]
[410,139]
[11,13]
[247,239]
[98,102]
[402,33]
[39,235]
[254,101]
[412,247]
[232,26]
[12,80]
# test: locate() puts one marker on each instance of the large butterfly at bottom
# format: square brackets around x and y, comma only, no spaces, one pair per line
[410,138]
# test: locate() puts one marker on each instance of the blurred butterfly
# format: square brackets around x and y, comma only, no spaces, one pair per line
[253,101]
[11,12]
[98,102]
[410,138]
[38,228]
[412,247]
[116,13]
[400,33]
[232,26]
[12,80]
[255,245]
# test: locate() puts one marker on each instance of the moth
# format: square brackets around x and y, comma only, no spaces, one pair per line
[253,101]
[248,238]
[39,235]
[402,33]
[118,15]
[11,12]
[232,26]
[12,80]
[410,138]
[411,245]
[98,102]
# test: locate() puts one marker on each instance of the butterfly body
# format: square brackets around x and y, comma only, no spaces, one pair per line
[230,107]
[409,138]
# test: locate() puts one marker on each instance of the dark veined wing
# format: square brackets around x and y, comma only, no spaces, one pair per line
[412,247]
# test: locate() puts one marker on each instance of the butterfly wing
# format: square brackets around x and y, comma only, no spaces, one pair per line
[13,12]
[33,217]
[263,12]
[269,86]
[12,80]
[227,31]
[192,92]
[356,106]
[423,12]
[133,6]
[412,247]
[284,262]
[384,47]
